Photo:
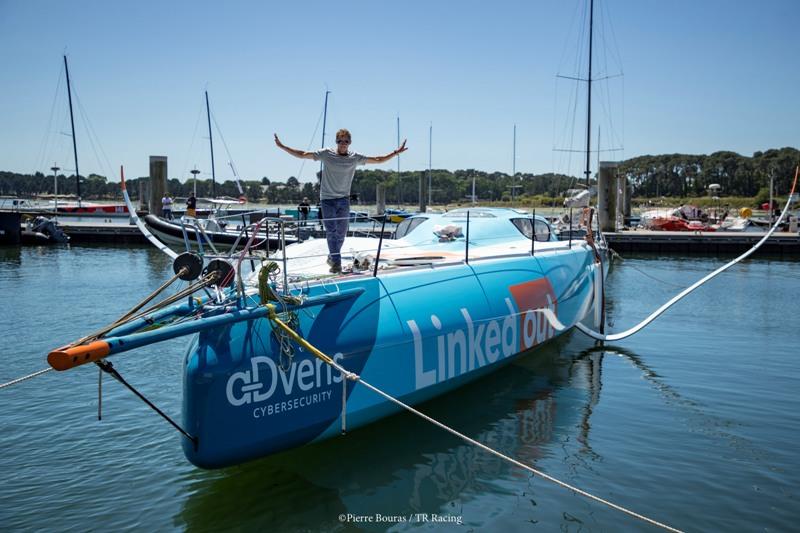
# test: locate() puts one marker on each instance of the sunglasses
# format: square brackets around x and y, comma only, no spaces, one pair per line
[342,141]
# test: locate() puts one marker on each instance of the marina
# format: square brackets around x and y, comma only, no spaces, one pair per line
[98,230]
[290,342]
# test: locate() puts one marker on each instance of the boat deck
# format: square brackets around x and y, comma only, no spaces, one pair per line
[307,261]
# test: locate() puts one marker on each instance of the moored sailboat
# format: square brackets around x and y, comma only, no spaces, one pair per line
[459,295]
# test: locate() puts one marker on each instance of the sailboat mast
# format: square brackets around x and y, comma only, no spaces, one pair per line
[514,166]
[399,183]
[430,161]
[74,142]
[324,118]
[514,154]
[211,145]
[589,95]
[324,123]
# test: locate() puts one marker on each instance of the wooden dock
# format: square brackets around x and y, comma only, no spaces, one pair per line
[685,242]
[101,231]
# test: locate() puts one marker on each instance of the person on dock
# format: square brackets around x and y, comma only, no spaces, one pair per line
[303,208]
[338,169]
[191,206]
[166,206]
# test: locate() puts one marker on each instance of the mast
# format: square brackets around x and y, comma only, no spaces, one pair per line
[514,166]
[211,144]
[74,143]
[430,160]
[514,154]
[399,183]
[589,95]
[324,121]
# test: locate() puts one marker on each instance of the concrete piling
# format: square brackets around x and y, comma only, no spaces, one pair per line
[380,198]
[608,197]
[158,182]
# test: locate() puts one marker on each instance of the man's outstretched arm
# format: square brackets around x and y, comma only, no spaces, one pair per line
[384,158]
[297,153]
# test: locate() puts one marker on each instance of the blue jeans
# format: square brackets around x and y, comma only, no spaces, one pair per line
[336,218]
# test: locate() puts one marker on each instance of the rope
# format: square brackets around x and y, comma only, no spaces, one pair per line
[511,460]
[24,378]
[355,377]
[675,299]
[645,274]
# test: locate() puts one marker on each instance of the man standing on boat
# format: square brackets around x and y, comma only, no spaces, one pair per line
[191,206]
[303,208]
[166,206]
[338,169]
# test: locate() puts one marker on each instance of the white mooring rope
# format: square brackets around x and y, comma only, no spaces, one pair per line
[675,299]
[511,460]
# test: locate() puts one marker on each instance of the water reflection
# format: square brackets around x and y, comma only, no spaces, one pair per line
[596,354]
[10,259]
[404,465]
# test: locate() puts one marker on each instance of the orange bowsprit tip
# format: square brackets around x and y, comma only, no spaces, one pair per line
[67,357]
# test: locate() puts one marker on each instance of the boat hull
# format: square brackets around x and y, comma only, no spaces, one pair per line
[414,334]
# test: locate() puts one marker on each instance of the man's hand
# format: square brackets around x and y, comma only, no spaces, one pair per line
[402,148]
[278,142]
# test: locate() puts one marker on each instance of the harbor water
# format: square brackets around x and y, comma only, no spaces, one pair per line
[693,422]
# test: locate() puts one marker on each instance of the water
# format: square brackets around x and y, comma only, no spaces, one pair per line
[693,421]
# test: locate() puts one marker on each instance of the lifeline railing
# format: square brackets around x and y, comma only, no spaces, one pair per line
[533,234]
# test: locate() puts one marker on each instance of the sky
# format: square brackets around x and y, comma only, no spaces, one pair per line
[683,76]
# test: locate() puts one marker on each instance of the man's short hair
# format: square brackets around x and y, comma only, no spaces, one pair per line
[343,133]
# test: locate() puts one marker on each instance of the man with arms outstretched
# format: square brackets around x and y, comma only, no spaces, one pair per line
[338,169]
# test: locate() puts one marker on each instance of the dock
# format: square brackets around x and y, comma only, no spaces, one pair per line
[718,242]
[102,231]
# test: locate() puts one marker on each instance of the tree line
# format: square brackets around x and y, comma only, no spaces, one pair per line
[686,176]
[668,175]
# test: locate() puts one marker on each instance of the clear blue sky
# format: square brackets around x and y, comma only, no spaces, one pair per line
[699,76]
